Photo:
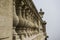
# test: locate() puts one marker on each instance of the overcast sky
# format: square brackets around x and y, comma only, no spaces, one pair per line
[52,16]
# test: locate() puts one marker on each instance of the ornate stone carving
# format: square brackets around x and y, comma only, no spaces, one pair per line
[26,20]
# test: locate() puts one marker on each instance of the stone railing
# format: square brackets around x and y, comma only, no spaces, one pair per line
[25,21]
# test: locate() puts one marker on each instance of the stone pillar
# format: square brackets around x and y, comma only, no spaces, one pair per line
[6,19]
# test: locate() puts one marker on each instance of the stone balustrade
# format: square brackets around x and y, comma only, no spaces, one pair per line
[20,20]
[26,20]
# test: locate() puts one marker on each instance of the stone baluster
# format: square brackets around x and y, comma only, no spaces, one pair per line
[24,13]
[15,22]
[39,26]
[15,17]
[19,11]
[28,14]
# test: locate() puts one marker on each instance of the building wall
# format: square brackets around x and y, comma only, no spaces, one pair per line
[6,18]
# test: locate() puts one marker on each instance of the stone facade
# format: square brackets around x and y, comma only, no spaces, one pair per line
[6,18]
[20,20]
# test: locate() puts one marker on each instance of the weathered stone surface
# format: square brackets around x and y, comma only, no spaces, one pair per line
[6,18]
[20,20]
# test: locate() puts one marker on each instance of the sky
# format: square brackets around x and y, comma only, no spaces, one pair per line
[52,16]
